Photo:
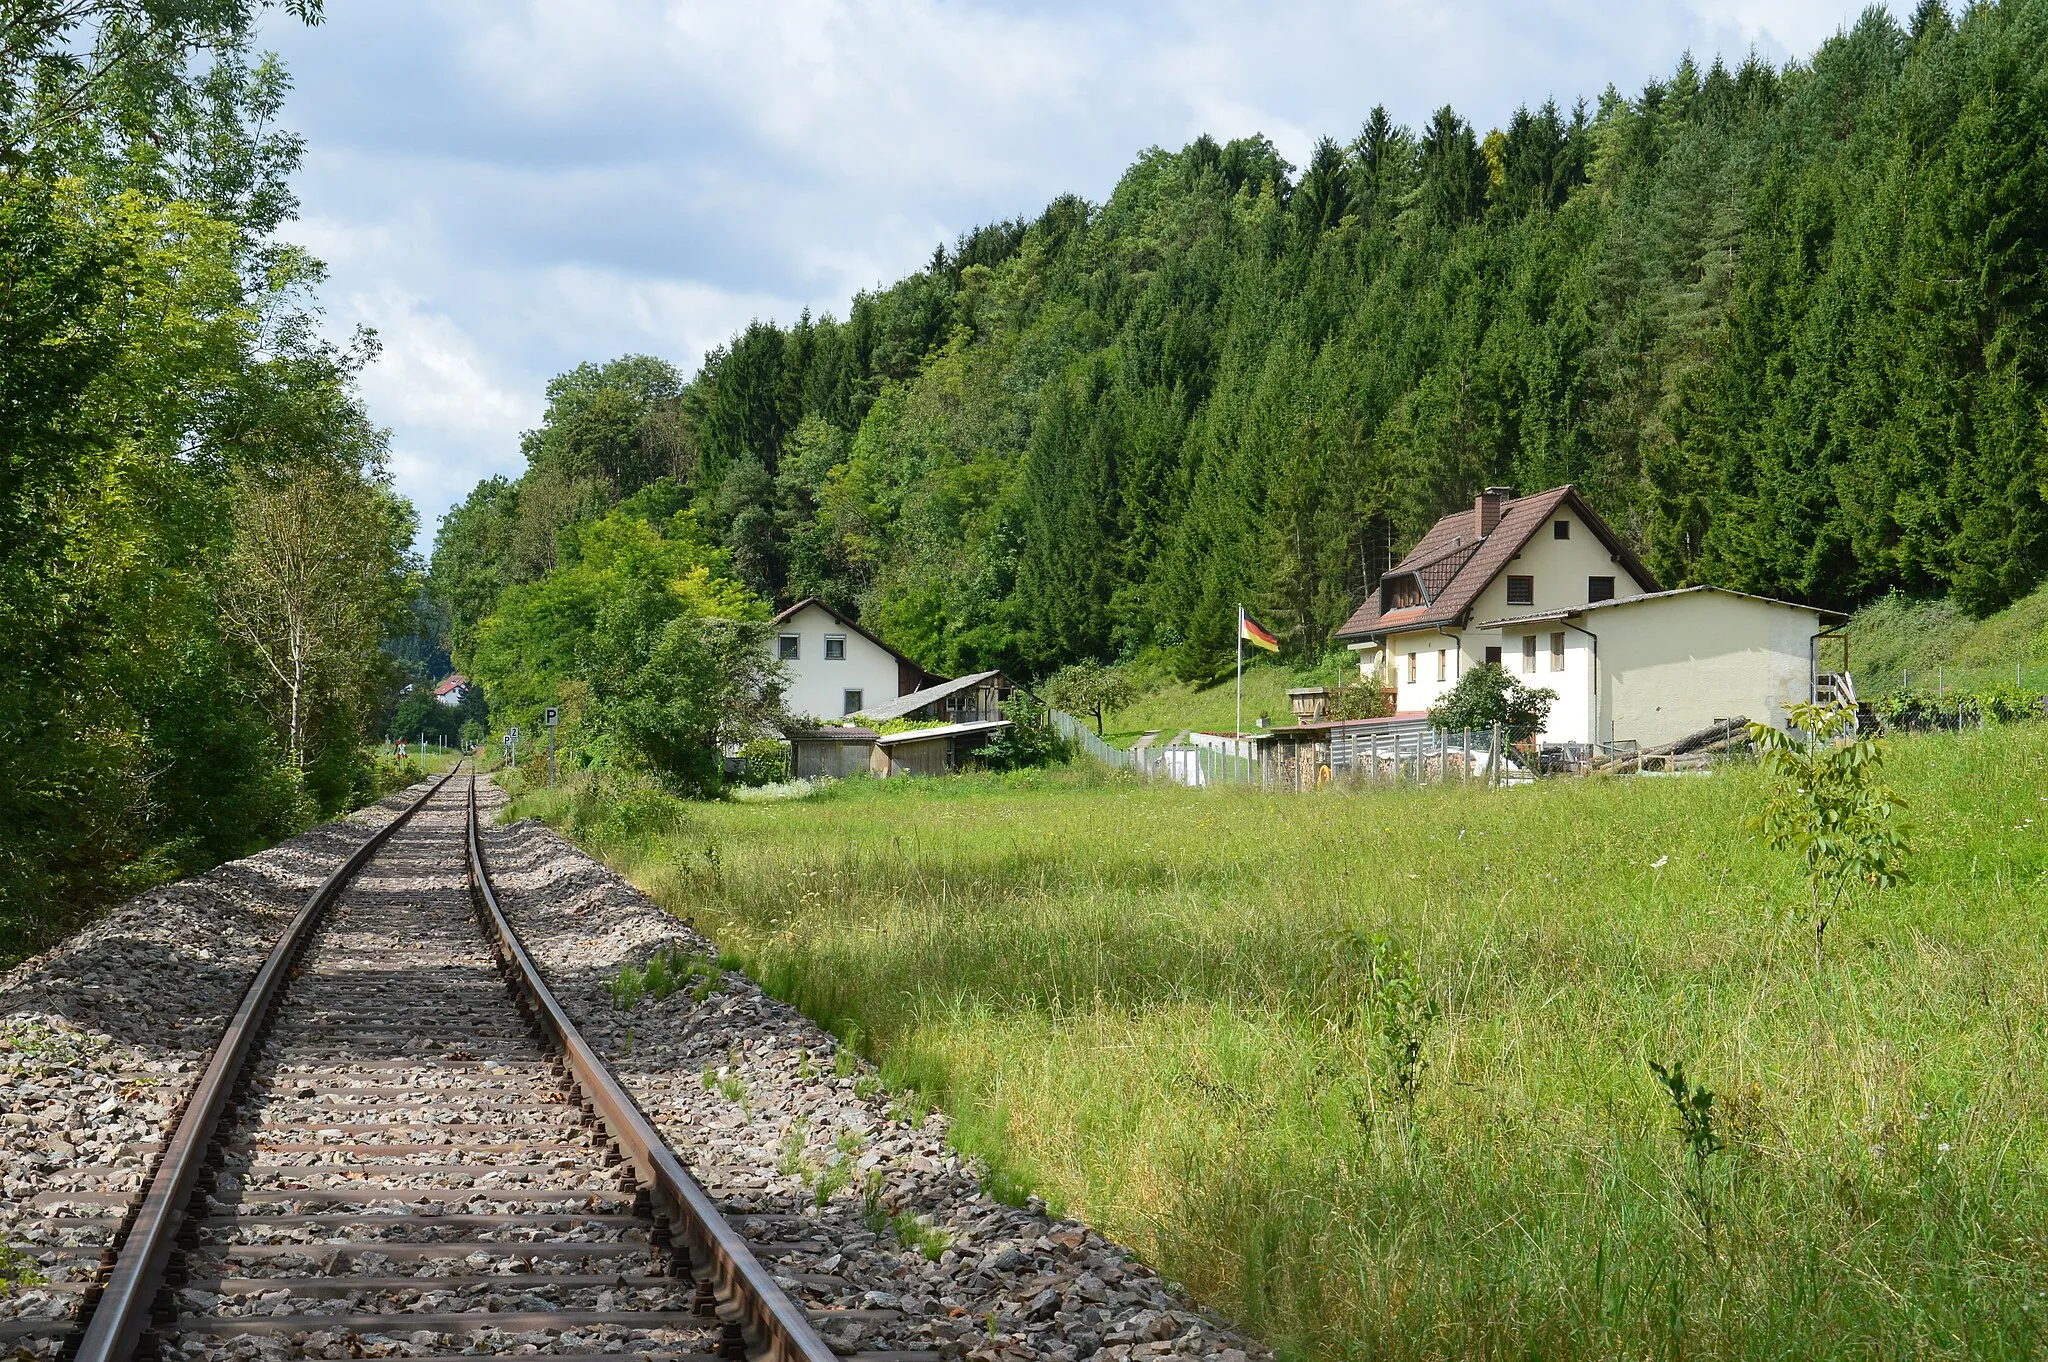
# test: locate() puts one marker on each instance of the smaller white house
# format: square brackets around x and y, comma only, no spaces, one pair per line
[452,691]
[835,667]
[1656,667]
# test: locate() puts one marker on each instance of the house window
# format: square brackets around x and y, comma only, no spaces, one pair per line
[835,647]
[1557,652]
[1493,655]
[1411,669]
[1443,664]
[786,647]
[1521,591]
[853,705]
[1561,530]
[1528,652]
[1599,588]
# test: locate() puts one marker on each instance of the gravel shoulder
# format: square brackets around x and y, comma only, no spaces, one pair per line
[853,1203]
[102,1036]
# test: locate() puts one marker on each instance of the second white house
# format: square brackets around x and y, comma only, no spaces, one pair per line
[835,667]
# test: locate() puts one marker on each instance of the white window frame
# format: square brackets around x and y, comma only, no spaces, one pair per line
[794,652]
[839,639]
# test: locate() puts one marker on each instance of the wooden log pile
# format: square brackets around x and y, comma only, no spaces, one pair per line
[1692,750]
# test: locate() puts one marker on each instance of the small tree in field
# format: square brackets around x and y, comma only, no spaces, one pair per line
[1486,695]
[1088,688]
[1825,800]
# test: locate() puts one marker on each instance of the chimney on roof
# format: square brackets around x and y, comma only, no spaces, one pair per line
[1491,503]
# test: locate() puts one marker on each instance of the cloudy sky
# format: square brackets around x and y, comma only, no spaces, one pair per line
[505,188]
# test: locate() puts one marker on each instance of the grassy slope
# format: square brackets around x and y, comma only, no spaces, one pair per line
[1172,706]
[1156,1005]
[1933,641]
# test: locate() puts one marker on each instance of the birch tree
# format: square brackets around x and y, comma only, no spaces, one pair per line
[314,580]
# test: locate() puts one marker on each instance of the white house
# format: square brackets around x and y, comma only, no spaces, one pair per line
[1543,586]
[452,691]
[837,668]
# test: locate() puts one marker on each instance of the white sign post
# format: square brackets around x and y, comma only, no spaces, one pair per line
[551,718]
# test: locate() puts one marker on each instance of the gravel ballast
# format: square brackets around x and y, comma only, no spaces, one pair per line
[101,1037]
[849,1201]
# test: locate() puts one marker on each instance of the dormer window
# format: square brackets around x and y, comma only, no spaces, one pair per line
[1401,593]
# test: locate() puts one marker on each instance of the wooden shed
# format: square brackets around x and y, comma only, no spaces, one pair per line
[834,752]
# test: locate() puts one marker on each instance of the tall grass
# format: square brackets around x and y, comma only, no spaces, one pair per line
[1159,1007]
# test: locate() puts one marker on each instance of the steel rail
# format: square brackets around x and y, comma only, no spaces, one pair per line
[776,1326]
[123,1310]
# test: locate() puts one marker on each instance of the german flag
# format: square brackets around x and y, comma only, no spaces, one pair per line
[1248,629]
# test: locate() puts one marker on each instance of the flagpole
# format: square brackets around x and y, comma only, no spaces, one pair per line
[1240,675]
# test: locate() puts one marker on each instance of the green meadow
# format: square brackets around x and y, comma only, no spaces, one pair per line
[1370,1072]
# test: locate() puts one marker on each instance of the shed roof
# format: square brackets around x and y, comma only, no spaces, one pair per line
[941,731]
[1455,563]
[1538,617]
[841,733]
[918,699]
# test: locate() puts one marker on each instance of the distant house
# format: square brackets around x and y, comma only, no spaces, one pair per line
[1543,586]
[837,668]
[452,691]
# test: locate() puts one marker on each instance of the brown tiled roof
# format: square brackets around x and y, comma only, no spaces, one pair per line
[1453,543]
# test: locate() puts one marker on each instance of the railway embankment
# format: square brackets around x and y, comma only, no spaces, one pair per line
[856,1203]
[104,1034]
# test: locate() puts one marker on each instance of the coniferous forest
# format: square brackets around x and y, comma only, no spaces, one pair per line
[1784,325]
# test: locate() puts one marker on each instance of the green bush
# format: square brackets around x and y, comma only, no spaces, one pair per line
[2006,703]
[1029,740]
[1486,695]
[767,761]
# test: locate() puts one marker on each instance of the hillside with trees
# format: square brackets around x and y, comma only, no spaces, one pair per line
[200,550]
[1784,325]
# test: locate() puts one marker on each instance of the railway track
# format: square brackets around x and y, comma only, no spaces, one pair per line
[403,1147]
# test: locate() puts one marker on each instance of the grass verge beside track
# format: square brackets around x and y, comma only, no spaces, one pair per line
[1183,1015]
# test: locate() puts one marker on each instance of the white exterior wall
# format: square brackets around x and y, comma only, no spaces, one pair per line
[1571,714]
[818,686]
[1674,665]
[1560,567]
[1426,690]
